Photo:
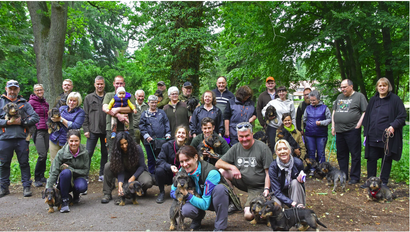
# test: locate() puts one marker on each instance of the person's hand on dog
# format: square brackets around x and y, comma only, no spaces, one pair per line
[55,119]
[131,179]
[174,169]
[236,173]
[15,122]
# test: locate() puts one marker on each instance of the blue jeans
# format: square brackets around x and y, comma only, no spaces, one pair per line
[316,144]
[92,143]
[7,149]
[64,184]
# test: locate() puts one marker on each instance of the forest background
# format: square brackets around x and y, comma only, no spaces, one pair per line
[145,42]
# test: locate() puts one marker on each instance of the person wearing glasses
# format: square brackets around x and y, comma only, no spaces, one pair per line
[282,105]
[41,136]
[177,111]
[246,166]
[13,138]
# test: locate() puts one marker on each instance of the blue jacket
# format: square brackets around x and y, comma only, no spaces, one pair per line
[154,125]
[199,113]
[75,120]
[277,179]
[237,112]
[28,118]
[313,114]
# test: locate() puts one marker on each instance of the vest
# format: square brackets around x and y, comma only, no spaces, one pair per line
[315,113]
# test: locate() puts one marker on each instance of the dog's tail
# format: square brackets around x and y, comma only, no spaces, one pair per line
[318,222]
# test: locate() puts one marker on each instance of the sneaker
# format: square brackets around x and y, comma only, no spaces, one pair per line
[101,179]
[232,208]
[38,183]
[113,134]
[64,206]
[4,192]
[27,192]
[106,198]
[84,193]
[160,198]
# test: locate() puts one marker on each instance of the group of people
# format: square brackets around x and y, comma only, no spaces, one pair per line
[166,127]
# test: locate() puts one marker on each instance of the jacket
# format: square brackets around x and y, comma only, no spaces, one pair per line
[75,120]
[154,126]
[222,99]
[199,113]
[40,106]
[28,118]
[299,116]
[281,107]
[78,166]
[178,116]
[137,116]
[237,112]
[321,113]
[397,118]
[94,119]
[166,157]
[277,179]
[263,99]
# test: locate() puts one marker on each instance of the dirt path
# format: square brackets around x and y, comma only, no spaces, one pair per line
[340,211]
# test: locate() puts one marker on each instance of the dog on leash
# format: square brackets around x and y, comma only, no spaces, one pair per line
[53,126]
[333,175]
[131,190]
[12,114]
[377,191]
[283,220]
[181,181]
[256,206]
[208,145]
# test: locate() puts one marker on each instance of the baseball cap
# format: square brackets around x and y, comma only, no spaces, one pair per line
[12,83]
[161,83]
[187,85]
[270,79]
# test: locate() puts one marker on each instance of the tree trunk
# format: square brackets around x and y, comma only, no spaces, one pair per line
[49,35]
[387,50]
[339,59]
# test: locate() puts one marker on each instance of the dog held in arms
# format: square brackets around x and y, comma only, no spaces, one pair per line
[208,145]
[53,126]
[181,181]
[333,174]
[12,113]
[131,190]
[256,206]
[377,191]
[192,103]
[285,219]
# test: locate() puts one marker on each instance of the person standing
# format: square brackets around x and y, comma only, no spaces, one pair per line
[141,107]
[94,123]
[176,110]
[13,138]
[165,100]
[222,94]
[67,88]
[265,97]
[348,112]
[186,92]
[384,114]
[301,109]
[41,136]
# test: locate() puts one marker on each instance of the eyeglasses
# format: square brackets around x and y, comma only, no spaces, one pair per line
[38,90]
[173,94]
[245,125]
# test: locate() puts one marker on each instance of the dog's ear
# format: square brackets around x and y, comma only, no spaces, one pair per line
[5,108]
[175,180]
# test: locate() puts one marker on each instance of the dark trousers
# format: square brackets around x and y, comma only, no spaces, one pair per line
[219,204]
[64,184]
[90,146]
[376,153]
[316,144]
[7,149]
[151,158]
[271,133]
[349,141]
[163,177]
[42,144]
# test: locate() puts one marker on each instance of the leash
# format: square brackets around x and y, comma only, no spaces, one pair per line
[385,138]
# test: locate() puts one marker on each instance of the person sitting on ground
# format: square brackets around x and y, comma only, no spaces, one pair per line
[167,165]
[70,167]
[121,99]
[208,127]
[126,164]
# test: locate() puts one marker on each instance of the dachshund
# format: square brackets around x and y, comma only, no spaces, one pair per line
[53,126]
[131,190]
[271,114]
[12,113]
[282,133]
[192,103]
[256,206]
[261,136]
[285,219]
[377,191]
[53,198]
[333,174]
[313,164]
[208,145]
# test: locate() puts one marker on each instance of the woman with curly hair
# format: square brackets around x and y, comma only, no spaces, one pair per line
[239,109]
[126,164]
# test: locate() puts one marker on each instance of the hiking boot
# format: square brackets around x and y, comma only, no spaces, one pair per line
[4,192]
[38,183]
[64,206]
[27,192]
[160,198]
[196,223]
[232,209]
[106,198]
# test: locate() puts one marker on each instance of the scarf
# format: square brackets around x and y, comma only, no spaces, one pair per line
[292,128]
[287,167]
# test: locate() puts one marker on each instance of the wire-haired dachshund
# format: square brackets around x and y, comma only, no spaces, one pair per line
[270,115]
[256,206]
[333,175]
[53,126]
[312,163]
[377,191]
[53,198]
[283,220]
[208,145]
[261,136]
[12,113]
[131,190]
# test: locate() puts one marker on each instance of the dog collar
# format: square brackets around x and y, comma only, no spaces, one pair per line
[206,145]
[374,193]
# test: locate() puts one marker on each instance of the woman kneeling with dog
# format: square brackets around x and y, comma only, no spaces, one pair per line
[126,164]
[286,177]
[70,167]
[209,183]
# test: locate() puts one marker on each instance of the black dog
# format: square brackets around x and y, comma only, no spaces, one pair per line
[131,190]
[53,126]
[208,145]
[333,174]
[282,133]
[261,136]
[181,181]
[313,164]
[192,103]
[285,219]
[256,206]
[377,191]
[270,115]
[13,113]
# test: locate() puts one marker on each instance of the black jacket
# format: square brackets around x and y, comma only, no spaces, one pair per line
[166,157]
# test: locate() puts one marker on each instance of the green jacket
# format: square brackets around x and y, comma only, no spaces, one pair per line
[165,99]
[79,166]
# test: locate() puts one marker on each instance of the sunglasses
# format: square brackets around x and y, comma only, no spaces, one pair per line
[245,125]
[12,83]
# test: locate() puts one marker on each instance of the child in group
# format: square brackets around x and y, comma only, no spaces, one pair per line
[121,99]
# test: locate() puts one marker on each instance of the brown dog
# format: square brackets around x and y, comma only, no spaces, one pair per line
[256,206]
[12,113]
[131,190]
[209,144]
[53,198]
[53,126]
[377,191]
